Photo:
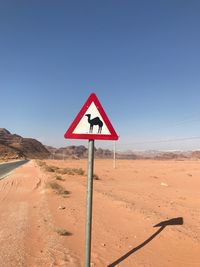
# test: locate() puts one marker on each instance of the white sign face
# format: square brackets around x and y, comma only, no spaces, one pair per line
[92,122]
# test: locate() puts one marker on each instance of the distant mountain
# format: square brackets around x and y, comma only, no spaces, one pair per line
[195,154]
[13,146]
[79,152]
[71,152]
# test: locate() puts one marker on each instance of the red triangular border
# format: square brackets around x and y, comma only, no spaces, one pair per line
[112,136]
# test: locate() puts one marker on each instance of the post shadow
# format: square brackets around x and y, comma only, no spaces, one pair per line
[162,225]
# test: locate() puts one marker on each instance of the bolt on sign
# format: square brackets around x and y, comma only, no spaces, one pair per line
[91,123]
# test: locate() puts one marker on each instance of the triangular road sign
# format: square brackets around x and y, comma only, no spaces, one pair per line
[91,123]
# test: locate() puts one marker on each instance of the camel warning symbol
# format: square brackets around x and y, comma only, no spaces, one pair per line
[95,121]
[91,123]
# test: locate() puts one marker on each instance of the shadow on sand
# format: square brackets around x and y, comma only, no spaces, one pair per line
[162,225]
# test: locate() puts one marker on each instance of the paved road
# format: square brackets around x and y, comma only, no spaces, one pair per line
[5,168]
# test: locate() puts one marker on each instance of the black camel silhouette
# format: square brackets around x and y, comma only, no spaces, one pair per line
[95,121]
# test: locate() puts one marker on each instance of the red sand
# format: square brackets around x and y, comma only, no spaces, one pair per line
[128,202]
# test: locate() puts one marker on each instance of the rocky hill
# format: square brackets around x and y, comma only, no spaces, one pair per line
[79,152]
[196,154]
[71,152]
[13,146]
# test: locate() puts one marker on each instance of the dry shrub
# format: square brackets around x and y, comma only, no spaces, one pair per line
[65,171]
[41,163]
[71,171]
[47,168]
[96,177]
[62,231]
[50,168]
[79,171]
[59,178]
[59,189]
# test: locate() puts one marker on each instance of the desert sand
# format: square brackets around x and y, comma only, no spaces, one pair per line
[128,202]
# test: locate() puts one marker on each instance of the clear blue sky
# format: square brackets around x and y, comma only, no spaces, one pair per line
[141,58]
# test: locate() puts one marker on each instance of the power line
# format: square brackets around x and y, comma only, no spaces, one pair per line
[163,141]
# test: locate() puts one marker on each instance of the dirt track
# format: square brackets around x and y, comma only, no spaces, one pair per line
[128,202]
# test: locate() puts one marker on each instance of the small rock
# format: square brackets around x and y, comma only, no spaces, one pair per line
[61,207]
[164,184]
[103,244]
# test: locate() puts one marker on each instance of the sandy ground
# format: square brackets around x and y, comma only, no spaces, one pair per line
[128,202]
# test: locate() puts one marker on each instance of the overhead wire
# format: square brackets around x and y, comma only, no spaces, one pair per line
[162,141]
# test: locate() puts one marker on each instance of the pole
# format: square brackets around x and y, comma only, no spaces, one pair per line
[114,155]
[88,227]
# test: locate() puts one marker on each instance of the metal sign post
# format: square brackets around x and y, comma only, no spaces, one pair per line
[91,123]
[88,226]
[114,155]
